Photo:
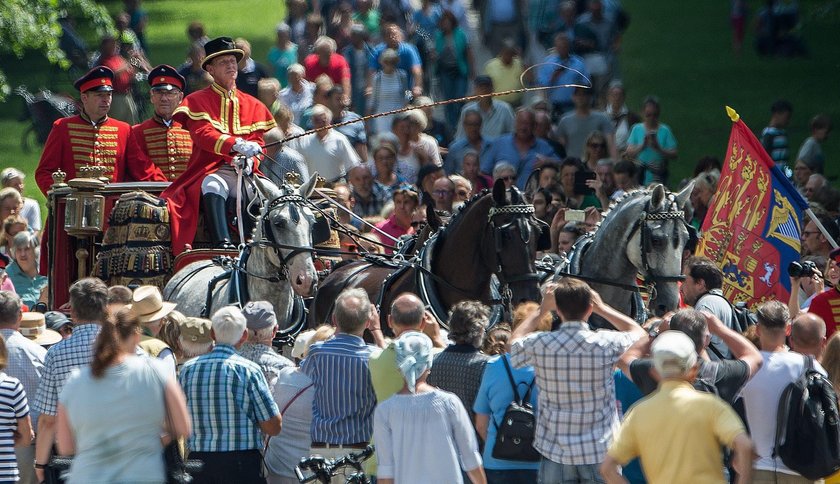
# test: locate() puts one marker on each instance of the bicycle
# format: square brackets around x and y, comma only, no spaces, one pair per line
[323,470]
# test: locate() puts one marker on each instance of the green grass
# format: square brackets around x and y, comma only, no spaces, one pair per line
[681,52]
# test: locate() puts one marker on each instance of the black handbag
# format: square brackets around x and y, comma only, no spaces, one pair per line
[515,434]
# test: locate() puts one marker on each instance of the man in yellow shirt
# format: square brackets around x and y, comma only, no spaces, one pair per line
[678,431]
[506,69]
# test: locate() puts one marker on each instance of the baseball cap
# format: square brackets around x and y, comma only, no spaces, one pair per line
[673,354]
[259,315]
[56,320]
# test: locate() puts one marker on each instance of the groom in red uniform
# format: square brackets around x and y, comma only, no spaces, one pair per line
[93,139]
[223,122]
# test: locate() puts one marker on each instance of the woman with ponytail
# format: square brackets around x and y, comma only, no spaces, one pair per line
[117,415]
[423,434]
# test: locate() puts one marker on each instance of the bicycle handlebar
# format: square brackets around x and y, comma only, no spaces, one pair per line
[323,469]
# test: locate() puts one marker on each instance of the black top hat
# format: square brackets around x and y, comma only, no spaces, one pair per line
[97,79]
[220,46]
[166,78]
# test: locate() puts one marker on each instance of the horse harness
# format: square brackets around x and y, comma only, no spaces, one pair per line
[641,224]
[320,232]
[524,233]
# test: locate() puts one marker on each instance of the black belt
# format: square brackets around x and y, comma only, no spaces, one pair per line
[324,445]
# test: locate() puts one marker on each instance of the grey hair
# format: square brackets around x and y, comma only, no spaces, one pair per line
[467,322]
[260,335]
[9,308]
[325,41]
[319,109]
[503,166]
[191,349]
[352,310]
[25,239]
[296,69]
[89,299]
[228,325]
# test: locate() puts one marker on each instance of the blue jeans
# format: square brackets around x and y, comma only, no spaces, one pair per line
[553,473]
[453,87]
[511,476]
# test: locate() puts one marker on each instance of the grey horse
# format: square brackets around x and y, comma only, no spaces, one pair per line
[644,234]
[278,265]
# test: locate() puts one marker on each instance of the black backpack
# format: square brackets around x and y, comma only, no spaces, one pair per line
[515,435]
[808,425]
[744,318]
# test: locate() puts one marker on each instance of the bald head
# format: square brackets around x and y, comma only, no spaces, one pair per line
[406,313]
[807,334]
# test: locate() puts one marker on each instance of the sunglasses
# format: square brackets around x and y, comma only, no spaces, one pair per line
[597,145]
[507,178]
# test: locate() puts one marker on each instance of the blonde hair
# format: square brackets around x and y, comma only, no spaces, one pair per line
[322,333]
[831,359]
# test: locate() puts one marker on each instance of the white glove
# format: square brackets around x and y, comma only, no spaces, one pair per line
[244,163]
[247,148]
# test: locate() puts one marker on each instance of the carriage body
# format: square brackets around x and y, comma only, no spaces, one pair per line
[71,257]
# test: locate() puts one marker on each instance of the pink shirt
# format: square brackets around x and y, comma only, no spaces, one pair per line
[393,229]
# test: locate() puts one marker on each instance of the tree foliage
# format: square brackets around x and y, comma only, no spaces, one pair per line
[27,25]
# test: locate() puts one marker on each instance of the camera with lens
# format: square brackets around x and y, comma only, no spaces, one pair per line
[802,269]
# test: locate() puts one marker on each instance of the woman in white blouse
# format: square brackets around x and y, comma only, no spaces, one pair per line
[423,434]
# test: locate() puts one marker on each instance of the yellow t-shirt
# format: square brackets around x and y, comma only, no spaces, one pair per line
[505,78]
[678,433]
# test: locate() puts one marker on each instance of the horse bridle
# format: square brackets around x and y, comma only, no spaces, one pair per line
[642,224]
[267,238]
[519,209]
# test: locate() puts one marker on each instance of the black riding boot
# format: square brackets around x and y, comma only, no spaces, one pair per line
[216,220]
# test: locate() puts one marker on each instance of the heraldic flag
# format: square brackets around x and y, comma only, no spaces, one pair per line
[752,228]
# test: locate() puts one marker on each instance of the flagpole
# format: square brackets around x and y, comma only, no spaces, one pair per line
[819,225]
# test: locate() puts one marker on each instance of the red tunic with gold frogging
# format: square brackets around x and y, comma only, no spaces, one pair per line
[169,147]
[75,142]
[215,118]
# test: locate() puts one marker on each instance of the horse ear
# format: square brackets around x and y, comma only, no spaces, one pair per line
[682,197]
[267,188]
[307,188]
[432,218]
[657,196]
[515,195]
[499,190]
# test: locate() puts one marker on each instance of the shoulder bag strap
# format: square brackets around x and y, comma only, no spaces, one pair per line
[512,381]
[290,402]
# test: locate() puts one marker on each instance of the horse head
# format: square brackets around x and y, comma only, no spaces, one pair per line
[285,230]
[655,242]
[510,242]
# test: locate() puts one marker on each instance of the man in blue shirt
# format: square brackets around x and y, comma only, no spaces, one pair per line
[521,149]
[230,404]
[556,70]
[342,412]
[409,58]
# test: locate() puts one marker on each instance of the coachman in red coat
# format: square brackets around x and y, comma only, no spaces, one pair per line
[93,139]
[222,122]
[161,138]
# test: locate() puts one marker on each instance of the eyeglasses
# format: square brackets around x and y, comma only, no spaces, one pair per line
[507,178]
[806,233]
[442,193]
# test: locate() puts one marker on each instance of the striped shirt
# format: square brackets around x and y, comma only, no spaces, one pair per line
[574,371]
[25,362]
[13,406]
[62,358]
[342,412]
[227,396]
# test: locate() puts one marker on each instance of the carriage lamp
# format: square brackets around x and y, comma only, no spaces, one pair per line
[84,211]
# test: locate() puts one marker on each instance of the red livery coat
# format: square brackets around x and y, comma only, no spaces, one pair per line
[75,142]
[214,117]
[168,147]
